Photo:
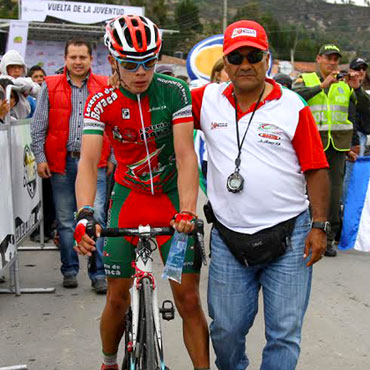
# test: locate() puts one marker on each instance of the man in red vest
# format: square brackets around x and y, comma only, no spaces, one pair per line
[56,141]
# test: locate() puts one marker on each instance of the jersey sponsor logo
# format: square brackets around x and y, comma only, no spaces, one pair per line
[270,128]
[217,125]
[153,109]
[97,103]
[128,135]
[155,131]
[267,141]
[269,136]
[125,113]
[244,32]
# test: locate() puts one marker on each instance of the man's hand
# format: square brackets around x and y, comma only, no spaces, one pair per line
[4,109]
[353,80]
[43,170]
[352,155]
[316,243]
[110,168]
[86,243]
[330,79]
[183,222]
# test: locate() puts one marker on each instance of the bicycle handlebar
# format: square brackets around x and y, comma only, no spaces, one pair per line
[141,230]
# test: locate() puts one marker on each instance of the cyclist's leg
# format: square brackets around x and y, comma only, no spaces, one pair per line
[117,256]
[112,324]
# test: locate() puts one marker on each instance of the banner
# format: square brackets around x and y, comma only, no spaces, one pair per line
[17,37]
[84,13]
[356,219]
[25,182]
[7,245]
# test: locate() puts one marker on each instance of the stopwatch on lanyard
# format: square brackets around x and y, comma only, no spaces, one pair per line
[235,182]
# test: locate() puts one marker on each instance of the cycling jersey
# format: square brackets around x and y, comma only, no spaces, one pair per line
[140,130]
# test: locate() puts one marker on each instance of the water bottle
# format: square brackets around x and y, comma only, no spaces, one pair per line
[176,257]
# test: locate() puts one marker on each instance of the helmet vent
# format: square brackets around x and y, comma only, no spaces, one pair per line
[128,38]
[134,22]
[139,38]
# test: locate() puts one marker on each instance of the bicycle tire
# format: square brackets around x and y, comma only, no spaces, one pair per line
[148,349]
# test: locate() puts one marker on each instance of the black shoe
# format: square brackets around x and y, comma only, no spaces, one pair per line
[37,238]
[330,251]
[99,285]
[70,281]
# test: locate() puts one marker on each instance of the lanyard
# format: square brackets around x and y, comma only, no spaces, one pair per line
[240,144]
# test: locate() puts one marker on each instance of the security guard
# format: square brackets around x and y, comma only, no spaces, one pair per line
[329,93]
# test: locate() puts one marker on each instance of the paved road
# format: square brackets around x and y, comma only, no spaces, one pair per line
[60,331]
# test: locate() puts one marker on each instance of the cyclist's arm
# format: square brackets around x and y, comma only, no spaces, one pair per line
[187,167]
[88,169]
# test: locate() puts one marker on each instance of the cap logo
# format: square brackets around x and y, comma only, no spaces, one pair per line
[244,32]
[331,47]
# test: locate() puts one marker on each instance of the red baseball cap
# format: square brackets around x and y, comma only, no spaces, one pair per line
[245,33]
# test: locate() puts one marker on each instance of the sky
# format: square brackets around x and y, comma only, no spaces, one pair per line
[356,2]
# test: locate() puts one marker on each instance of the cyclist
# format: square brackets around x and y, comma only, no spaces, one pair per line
[149,122]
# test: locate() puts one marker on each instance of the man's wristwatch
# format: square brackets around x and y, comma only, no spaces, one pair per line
[324,226]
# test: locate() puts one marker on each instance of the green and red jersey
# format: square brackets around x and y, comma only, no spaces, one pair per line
[127,117]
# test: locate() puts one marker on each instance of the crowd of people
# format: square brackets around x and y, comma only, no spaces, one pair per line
[278,153]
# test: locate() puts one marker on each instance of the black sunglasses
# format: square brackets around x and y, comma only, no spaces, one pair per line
[253,57]
[360,68]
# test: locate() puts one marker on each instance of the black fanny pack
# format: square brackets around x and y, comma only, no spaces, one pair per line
[254,249]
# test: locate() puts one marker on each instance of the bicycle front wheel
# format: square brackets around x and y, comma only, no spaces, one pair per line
[148,345]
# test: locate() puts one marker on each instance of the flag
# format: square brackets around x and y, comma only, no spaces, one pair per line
[356,219]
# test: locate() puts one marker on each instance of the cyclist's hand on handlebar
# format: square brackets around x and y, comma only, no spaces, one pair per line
[86,232]
[183,222]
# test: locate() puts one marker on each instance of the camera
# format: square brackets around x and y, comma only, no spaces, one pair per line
[341,75]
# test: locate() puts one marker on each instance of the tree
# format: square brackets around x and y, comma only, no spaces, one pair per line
[187,17]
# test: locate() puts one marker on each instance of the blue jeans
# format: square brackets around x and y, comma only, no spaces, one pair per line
[65,207]
[233,303]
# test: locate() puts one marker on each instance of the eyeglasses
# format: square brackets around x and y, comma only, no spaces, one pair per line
[360,68]
[133,66]
[253,57]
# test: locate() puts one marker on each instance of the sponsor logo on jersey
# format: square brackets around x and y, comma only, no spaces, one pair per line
[267,141]
[270,128]
[162,107]
[127,135]
[217,125]
[125,113]
[269,136]
[244,32]
[155,131]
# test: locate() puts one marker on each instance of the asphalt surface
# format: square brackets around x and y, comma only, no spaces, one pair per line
[59,331]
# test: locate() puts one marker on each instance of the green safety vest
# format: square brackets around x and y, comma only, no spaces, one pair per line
[331,113]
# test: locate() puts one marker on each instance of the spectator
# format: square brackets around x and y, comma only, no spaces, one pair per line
[332,104]
[283,79]
[37,74]
[218,73]
[56,141]
[257,191]
[165,69]
[184,78]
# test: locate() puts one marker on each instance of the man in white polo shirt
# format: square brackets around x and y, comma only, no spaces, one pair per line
[263,151]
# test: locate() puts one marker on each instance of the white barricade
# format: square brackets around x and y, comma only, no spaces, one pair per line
[7,240]
[20,199]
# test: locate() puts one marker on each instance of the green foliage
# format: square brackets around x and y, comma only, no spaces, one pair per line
[8,9]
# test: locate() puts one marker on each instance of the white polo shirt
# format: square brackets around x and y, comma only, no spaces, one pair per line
[281,143]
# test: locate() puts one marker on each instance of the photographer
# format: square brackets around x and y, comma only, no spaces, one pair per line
[329,94]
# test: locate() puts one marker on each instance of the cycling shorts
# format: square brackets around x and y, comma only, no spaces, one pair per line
[129,208]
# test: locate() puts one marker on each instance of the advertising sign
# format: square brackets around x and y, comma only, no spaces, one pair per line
[76,12]
[25,182]
[17,38]
[7,245]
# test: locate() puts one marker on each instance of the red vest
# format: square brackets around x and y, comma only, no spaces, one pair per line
[60,108]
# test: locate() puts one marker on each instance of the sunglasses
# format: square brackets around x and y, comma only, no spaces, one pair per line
[360,68]
[133,66]
[253,57]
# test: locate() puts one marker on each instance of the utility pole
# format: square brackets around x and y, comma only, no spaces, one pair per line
[224,23]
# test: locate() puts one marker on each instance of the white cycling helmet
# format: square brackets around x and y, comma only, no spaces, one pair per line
[132,37]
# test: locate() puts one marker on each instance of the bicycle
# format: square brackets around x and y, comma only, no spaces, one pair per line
[143,337]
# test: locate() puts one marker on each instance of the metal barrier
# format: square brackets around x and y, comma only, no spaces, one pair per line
[20,198]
